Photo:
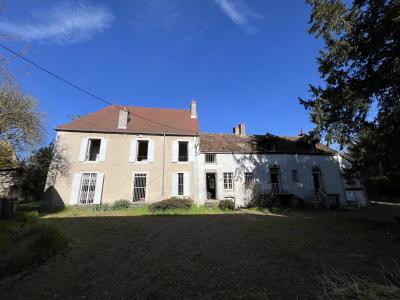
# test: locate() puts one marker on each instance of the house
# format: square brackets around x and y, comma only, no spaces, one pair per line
[10,179]
[135,153]
[145,155]
[236,166]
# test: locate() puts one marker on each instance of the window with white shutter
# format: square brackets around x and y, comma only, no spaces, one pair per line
[87,188]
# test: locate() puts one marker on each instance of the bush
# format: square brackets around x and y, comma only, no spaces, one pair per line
[226,204]
[98,207]
[121,204]
[172,203]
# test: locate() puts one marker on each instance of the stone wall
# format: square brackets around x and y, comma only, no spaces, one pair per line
[9,183]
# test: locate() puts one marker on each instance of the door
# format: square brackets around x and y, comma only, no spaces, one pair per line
[211,186]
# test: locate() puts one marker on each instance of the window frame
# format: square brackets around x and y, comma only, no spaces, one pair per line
[187,151]
[181,185]
[138,142]
[146,187]
[228,181]
[89,147]
[248,184]
[295,176]
[213,161]
[89,193]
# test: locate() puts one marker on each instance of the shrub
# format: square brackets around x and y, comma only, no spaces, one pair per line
[226,204]
[172,203]
[121,204]
[98,207]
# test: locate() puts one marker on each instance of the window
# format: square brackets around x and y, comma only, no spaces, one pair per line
[87,188]
[140,187]
[143,147]
[210,158]
[295,176]
[93,149]
[228,181]
[183,151]
[274,177]
[248,180]
[180,184]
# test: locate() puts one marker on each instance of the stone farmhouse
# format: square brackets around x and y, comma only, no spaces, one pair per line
[145,155]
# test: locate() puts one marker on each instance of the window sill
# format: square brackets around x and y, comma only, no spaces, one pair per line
[91,161]
[184,162]
[142,162]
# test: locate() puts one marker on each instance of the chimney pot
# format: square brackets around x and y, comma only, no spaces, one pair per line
[123,118]
[242,129]
[235,130]
[193,109]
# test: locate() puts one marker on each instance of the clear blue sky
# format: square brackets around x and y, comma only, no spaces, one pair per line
[242,60]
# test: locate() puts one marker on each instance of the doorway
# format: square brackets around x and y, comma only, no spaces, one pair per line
[211,186]
[316,175]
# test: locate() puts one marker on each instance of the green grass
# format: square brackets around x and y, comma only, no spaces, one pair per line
[83,211]
[25,242]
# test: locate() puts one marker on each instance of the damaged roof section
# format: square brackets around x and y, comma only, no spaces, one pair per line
[260,144]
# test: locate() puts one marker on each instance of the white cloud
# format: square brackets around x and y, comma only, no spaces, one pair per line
[239,13]
[63,23]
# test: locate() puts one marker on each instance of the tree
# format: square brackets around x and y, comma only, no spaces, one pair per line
[44,165]
[20,121]
[359,105]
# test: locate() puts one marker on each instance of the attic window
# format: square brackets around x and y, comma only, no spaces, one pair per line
[93,149]
[210,158]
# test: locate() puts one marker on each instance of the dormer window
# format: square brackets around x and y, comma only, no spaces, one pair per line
[93,149]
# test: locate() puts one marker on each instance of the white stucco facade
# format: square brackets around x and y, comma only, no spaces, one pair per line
[260,164]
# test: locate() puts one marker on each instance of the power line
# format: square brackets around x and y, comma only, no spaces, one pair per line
[84,90]
[55,75]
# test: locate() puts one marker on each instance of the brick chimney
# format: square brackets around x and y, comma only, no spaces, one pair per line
[123,118]
[242,129]
[193,109]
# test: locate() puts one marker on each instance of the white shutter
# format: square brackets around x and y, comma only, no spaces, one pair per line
[99,188]
[150,154]
[76,184]
[192,152]
[132,154]
[186,184]
[103,150]
[175,150]
[83,150]
[174,185]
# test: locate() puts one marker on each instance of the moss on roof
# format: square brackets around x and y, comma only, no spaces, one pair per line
[8,159]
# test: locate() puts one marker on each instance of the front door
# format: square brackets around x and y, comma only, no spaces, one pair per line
[211,186]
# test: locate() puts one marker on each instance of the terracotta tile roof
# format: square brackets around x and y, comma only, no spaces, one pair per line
[8,159]
[229,143]
[141,120]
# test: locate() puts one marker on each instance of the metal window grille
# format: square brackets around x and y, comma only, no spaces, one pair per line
[210,158]
[87,188]
[180,184]
[228,181]
[140,187]
[248,180]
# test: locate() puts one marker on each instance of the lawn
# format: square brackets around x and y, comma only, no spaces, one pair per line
[246,254]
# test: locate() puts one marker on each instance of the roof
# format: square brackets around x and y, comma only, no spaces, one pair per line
[141,120]
[8,159]
[258,144]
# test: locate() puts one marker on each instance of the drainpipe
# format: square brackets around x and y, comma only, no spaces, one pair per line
[163,169]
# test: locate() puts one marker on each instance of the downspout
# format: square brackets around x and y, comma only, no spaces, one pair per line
[163,169]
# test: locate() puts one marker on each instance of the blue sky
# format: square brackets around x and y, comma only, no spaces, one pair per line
[242,60]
